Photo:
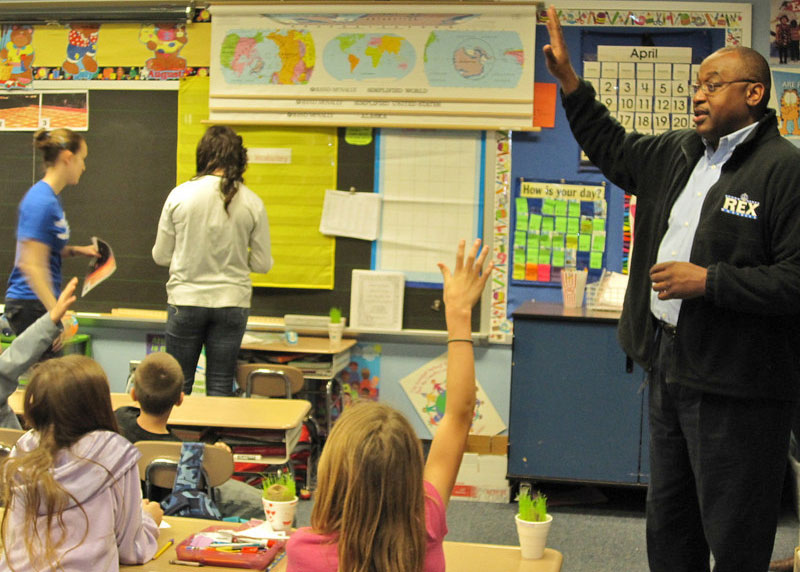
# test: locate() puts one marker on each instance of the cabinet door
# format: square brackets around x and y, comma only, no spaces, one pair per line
[576,413]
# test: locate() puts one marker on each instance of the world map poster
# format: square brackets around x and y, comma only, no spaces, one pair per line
[401,65]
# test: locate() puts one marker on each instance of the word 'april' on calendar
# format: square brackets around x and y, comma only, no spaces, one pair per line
[648,89]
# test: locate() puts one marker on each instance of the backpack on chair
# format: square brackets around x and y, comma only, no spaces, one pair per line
[187,498]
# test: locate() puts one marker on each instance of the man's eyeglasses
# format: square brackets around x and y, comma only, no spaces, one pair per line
[710,87]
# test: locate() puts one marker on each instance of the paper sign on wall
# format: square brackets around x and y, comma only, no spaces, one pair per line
[427,390]
[376,300]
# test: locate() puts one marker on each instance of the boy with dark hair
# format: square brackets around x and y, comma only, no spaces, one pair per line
[158,387]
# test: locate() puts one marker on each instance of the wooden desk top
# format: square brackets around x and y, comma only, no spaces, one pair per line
[459,556]
[229,412]
[304,345]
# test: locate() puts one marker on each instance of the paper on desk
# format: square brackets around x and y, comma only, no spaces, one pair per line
[261,338]
[261,532]
[164,524]
[352,214]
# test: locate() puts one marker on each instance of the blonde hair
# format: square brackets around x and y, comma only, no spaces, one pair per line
[370,491]
[158,382]
[66,399]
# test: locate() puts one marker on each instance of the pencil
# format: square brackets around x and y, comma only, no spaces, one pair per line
[163,549]
[185,563]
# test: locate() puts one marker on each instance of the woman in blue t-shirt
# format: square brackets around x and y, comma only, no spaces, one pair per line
[43,231]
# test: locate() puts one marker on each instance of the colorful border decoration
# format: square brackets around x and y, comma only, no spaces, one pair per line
[104,51]
[735,19]
[501,329]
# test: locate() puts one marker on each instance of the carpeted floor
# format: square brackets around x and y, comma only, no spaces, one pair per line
[605,533]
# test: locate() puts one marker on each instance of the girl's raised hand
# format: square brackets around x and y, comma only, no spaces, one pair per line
[463,287]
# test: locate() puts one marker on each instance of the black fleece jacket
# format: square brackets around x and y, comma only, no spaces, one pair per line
[742,338]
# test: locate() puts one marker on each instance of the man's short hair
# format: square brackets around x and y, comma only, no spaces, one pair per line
[158,382]
[754,67]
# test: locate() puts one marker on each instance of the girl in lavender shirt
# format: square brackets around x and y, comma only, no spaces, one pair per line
[71,485]
[377,507]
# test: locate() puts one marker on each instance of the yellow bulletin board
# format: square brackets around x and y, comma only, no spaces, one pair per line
[292,185]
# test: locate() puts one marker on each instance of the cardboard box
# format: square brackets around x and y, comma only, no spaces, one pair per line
[482,478]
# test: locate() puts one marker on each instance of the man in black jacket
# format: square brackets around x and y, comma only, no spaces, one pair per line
[712,304]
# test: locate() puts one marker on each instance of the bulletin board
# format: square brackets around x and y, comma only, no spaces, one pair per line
[552,155]
[558,225]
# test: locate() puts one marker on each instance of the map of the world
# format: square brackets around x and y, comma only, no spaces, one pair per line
[284,57]
[368,56]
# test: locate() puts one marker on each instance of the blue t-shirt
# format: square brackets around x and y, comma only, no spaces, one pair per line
[40,217]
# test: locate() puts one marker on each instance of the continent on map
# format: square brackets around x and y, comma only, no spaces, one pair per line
[284,57]
[368,56]
[471,61]
[296,52]
[474,58]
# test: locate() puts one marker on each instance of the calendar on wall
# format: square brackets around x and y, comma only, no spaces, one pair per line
[647,89]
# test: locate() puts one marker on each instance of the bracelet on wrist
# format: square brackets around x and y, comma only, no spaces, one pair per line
[468,340]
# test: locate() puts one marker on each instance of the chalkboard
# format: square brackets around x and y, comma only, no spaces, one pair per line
[130,169]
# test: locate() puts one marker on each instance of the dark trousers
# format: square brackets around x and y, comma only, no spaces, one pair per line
[21,314]
[717,469]
[220,330]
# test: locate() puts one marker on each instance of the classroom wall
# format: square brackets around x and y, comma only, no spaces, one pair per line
[114,347]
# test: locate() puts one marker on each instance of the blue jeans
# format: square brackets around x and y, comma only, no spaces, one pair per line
[189,328]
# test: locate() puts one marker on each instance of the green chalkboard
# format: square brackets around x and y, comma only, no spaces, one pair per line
[130,169]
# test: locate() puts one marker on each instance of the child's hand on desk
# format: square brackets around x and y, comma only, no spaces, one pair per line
[153,509]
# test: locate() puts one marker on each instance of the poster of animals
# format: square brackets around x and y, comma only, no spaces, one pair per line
[427,389]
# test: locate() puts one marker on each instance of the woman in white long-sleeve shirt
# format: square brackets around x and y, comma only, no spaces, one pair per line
[212,233]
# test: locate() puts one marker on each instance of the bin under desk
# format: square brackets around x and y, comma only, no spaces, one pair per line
[333,359]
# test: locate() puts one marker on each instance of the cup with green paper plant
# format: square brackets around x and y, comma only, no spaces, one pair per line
[335,326]
[279,498]
[533,523]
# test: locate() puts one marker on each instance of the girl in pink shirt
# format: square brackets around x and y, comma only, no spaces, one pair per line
[377,507]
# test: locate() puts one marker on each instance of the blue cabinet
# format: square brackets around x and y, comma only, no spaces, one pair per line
[578,405]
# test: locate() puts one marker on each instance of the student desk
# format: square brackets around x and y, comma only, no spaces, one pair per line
[331,360]
[199,411]
[460,556]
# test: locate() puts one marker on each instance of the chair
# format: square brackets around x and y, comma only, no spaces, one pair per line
[8,438]
[270,380]
[273,380]
[159,463]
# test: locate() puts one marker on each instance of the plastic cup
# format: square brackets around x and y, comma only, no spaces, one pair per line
[532,537]
[573,284]
[280,514]
[335,332]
